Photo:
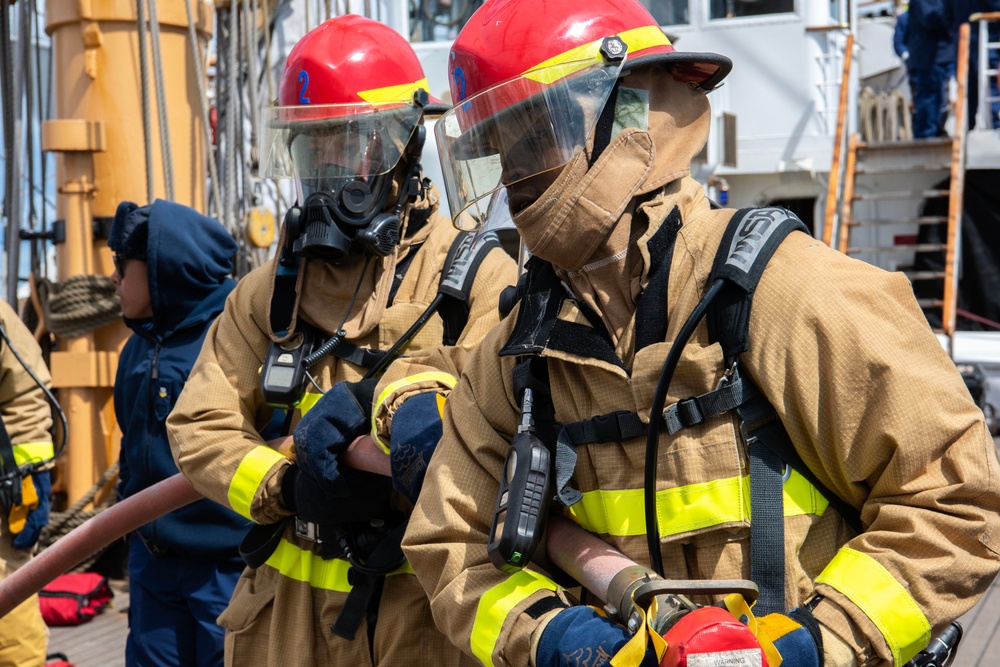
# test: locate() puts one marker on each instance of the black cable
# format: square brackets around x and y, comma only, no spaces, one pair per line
[404,340]
[656,417]
[48,395]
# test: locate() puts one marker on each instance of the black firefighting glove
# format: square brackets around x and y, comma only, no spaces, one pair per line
[367,496]
[342,414]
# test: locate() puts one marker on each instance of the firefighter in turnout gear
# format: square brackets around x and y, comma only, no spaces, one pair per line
[885,524]
[364,255]
[25,444]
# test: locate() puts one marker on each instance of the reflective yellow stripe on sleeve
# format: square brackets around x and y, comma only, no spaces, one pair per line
[445,379]
[308,400]
[306,566]
[884,600]
[687,508]
[494,606]
[33,452]
[248,477]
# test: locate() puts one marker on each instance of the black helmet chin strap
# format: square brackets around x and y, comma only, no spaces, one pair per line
[605,124]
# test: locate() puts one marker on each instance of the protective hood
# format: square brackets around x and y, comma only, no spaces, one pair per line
[189,257]
[583,223]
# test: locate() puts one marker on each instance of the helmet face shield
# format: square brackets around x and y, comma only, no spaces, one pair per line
[321,145]
[519,129]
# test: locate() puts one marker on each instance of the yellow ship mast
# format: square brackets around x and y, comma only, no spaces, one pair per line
[101,148]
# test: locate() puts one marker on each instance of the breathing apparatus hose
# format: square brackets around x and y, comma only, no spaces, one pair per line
[655,417]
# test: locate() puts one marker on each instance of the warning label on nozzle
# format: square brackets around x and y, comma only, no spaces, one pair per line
[743,658]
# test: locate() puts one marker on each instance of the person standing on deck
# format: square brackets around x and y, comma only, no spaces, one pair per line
[171,277]
[821,442]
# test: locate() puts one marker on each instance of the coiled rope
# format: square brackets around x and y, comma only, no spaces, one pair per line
[78,304]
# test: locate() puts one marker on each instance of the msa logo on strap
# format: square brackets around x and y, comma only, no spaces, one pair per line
[751,238]
[471,251]
[752,235]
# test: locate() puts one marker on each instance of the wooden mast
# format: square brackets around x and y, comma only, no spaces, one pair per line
[100,146]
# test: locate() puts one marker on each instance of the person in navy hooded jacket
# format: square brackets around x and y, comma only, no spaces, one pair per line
[172,268]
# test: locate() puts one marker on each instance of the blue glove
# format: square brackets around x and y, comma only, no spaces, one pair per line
[416,429]
[339,416]
[367,496]
[796,635]
[38,517]
[579,636]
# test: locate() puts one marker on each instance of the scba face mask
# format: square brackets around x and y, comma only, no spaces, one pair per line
[344,159]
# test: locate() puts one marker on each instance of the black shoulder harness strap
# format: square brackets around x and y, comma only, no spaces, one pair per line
[750,240]
[467,252]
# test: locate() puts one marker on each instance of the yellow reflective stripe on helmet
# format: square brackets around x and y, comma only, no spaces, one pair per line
[445,379]
[686,508]
[248,477]
[306,566]
[494,606]
[33,452]
[398,93]
[586,55]
[884,600]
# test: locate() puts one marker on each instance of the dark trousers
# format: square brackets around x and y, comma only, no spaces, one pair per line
[929,88]
[173,604]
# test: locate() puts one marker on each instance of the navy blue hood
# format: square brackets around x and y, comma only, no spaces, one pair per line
[189,257]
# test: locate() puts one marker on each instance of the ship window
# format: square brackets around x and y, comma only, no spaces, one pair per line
[668,12]
[728,9]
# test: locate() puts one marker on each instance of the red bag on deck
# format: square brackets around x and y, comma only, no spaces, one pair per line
[72,599]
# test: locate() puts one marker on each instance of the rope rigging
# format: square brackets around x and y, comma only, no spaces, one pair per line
[161,104]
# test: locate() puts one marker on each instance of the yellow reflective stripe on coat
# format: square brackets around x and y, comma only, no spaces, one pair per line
[306,566]
[494,606]
[445,379]
[33,452]
[686,508]
[884,600]
[248,477]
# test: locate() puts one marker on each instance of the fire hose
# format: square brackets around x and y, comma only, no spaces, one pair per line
[634,595]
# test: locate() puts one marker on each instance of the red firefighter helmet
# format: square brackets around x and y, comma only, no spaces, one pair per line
[351,95]
[529,80]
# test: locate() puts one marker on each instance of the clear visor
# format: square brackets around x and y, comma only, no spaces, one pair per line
[518,129]
[321,146]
